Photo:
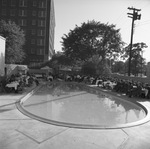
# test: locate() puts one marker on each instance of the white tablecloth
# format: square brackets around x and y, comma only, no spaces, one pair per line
[13,85]
[109,83]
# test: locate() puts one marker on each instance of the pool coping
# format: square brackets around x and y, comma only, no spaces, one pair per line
[83,126]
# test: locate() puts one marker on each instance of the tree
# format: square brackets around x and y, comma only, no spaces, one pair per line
[58,60]
[137,60]
[119,67]
[15,40]
[88,68]
[136,49]
[90,39]
[103,69]
[61,59]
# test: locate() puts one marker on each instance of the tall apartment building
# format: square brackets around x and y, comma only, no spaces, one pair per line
[37,19]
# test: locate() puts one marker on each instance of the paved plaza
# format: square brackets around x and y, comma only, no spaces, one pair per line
[19,131]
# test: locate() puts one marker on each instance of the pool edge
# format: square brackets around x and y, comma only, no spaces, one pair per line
[81,126]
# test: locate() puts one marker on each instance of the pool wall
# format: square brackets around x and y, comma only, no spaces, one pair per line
[20,102]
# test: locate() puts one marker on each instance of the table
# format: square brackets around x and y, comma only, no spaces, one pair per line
[13,85]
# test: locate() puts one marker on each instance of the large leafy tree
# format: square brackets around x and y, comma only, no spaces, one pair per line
[136,49]
[88,68]
[58,60]
[92,38]
[119,67]
[61,59]
[137,60]
[15,40]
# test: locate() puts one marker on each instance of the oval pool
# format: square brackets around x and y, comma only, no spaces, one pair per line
[77,105]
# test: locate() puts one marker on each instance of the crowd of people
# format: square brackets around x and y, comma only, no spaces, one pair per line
[133,88]
[130,88]
[16,83]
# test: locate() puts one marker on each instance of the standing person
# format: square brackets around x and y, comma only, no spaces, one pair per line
[36,81]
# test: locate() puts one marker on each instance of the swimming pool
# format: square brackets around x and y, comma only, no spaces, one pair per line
[77,105]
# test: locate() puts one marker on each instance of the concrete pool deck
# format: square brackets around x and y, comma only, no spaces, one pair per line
[19,131]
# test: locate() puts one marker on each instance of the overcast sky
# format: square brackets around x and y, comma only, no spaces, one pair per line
[69,13]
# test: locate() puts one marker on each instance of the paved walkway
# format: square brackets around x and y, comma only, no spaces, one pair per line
[18,131]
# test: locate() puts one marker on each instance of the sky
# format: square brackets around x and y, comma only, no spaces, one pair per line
[69,13]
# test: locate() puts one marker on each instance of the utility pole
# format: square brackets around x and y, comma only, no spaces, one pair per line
[134,16]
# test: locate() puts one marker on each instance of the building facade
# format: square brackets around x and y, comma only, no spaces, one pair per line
[37,19]
[2,56]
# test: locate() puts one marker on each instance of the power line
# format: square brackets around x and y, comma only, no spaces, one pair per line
[143,23]
[145,5]
[140,3]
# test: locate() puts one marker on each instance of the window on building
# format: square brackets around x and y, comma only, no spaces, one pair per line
[33,32]
[42,4]
[34,3]
[32,41]
[23,13]
[33,22]
[22,22]
[41,32]
[32,64]
[33,13]
[41,23]
[24,31]
[32,51]
[23,3]
[42,14]
[3,12]
[12,12]
[40,42]
[12,20]
[4,2]
[13,2]
[40,51]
